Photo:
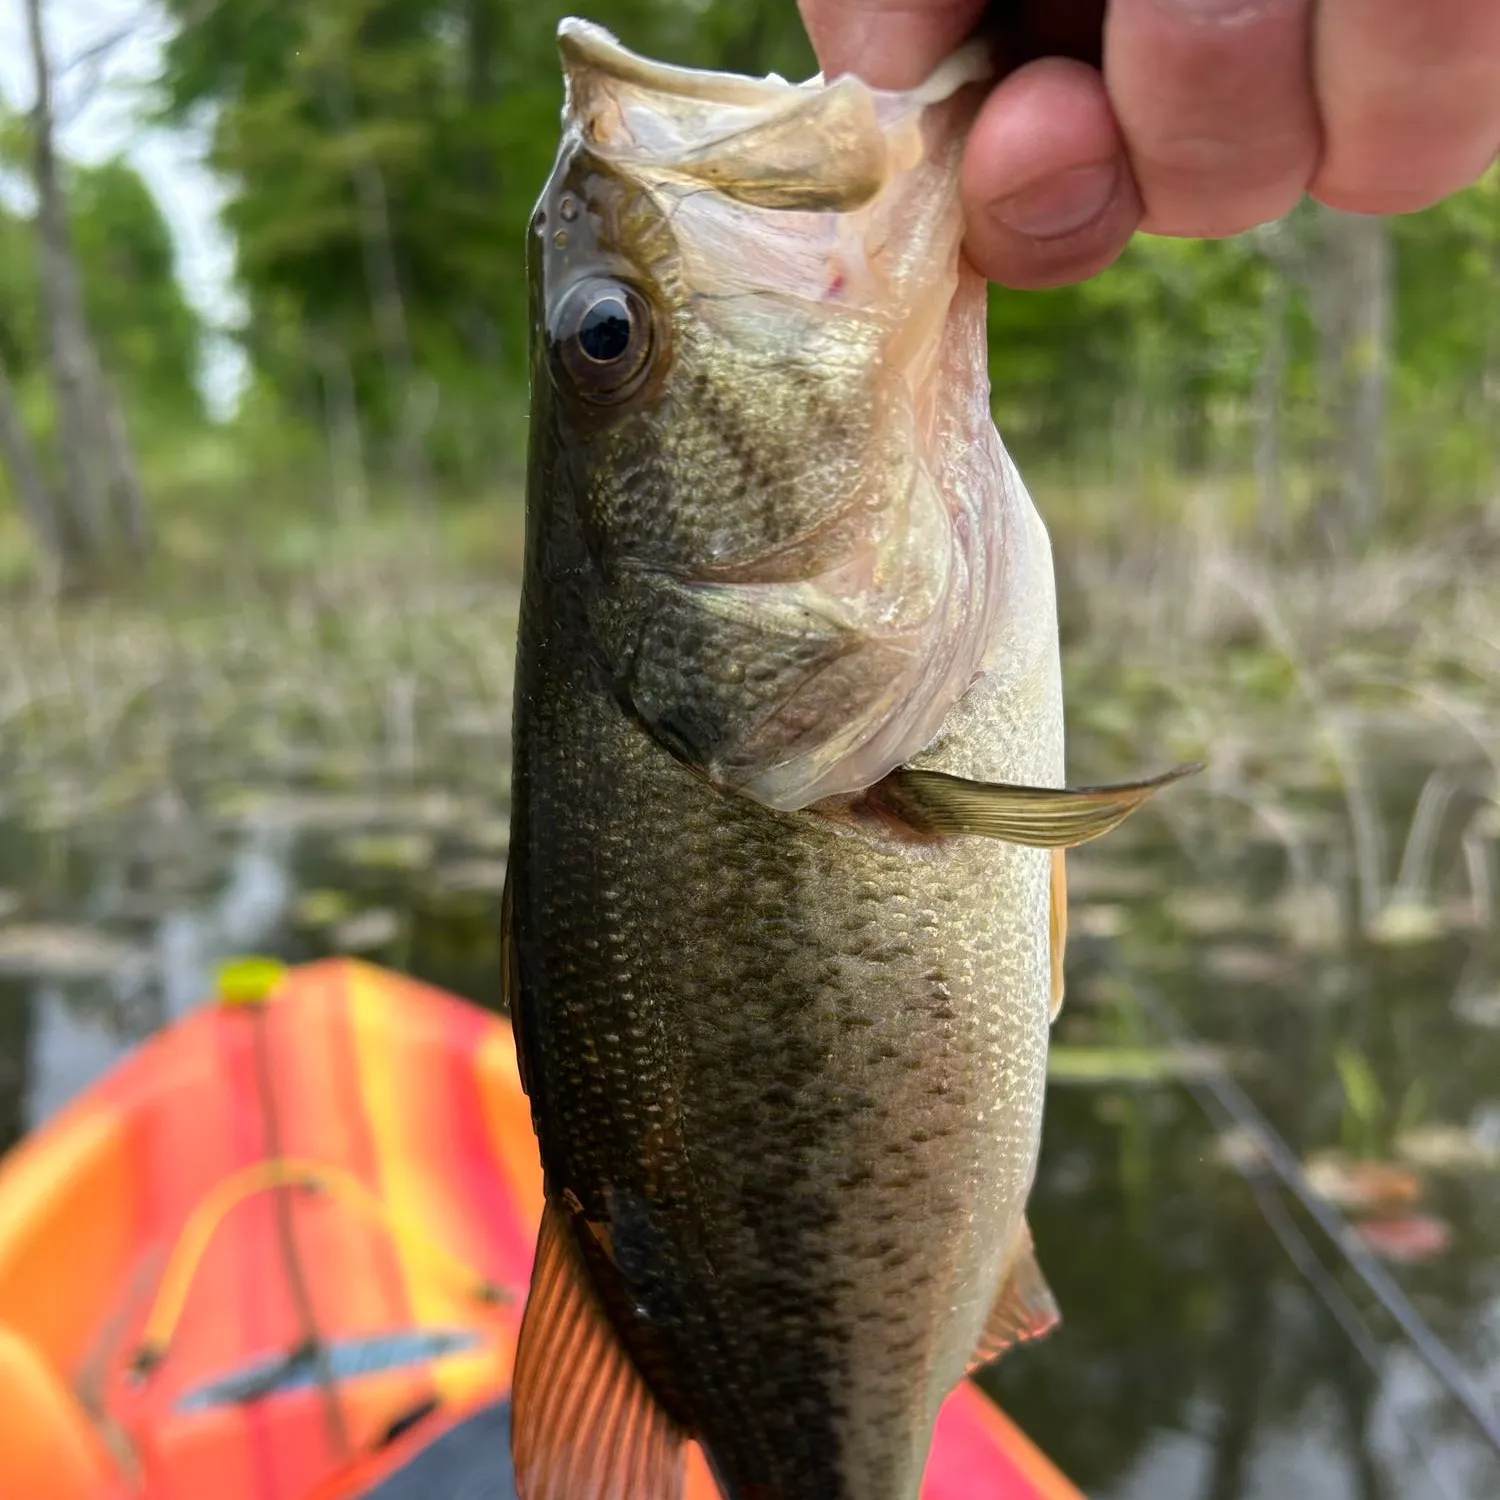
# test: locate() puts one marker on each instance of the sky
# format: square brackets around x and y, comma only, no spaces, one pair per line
[96,104]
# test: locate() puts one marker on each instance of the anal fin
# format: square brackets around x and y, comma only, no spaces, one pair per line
[1057,926]
[583,1424]
[1024,1310]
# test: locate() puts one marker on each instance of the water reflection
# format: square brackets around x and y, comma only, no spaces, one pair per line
[1196,1360]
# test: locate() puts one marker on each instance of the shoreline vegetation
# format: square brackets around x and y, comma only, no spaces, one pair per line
[1298,684]
[255,679]
[1323,387]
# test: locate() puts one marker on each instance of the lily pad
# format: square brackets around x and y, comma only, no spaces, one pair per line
[1208,911]
[1362,1185]
[1241,1149]
[1100,921]
[335,811]
[1447,1148]
[1245,963]
[1088,1065]
[470,877]
[1098,879]
[1312,920]
[490,837]
[254,807]
[321,908]
[395,853]
[1404,924]
[367,932]
[46,951]
[1408,1240]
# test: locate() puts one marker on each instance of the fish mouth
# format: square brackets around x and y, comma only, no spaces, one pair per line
[820,145]
[761,140]
[588,47]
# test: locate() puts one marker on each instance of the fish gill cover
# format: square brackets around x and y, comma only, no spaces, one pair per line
[813,397]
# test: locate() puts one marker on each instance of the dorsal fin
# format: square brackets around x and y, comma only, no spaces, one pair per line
[583,1424]
[1058,926]
[1042,817]
[1024,1310]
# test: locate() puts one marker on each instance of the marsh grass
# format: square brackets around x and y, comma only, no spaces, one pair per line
[1349,713]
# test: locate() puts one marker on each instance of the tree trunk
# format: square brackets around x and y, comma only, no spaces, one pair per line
[98,465]
[481,82]
[1351,305]
[62,299]
[36,500]
[346,451]
[383,278]
[1270,390]
[124,481]
[482,91]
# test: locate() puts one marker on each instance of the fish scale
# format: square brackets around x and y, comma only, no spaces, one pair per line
[783,911]
[848,1119]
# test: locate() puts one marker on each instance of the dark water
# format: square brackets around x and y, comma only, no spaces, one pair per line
[1197,1361]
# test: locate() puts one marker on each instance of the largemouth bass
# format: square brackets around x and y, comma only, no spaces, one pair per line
[785,913]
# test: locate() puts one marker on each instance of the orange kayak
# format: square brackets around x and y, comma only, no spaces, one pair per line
[280,1252]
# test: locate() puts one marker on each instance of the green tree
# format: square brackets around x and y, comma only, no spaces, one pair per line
[148,334]
[143,341]
[387,155]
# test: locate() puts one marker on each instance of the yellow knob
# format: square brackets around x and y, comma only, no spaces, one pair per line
[249,981]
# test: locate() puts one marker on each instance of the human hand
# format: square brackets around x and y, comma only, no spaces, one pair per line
[1207,117]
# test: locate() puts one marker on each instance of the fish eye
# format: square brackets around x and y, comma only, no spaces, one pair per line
[603,337]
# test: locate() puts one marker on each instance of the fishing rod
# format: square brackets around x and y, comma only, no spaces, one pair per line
[1238,1108]
[1355,1325]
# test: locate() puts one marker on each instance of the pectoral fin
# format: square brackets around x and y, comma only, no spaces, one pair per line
[1024,1310]
[583,1424]
[1058,927]
[1042,817]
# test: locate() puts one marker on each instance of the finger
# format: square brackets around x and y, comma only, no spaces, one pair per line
[1410,91]
[1215,98]
[1047,189]
[892,44]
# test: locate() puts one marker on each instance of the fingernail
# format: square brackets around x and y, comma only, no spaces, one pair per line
[1060,205]
[1221,10]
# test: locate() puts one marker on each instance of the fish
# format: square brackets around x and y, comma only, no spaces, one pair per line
[784,916]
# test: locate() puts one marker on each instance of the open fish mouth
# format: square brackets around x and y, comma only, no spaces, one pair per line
[585,45]
[622,100]
[803,422]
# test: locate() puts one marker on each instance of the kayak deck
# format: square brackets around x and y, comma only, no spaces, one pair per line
[280,1253]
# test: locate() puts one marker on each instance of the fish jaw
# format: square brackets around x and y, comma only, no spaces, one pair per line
[812,429]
